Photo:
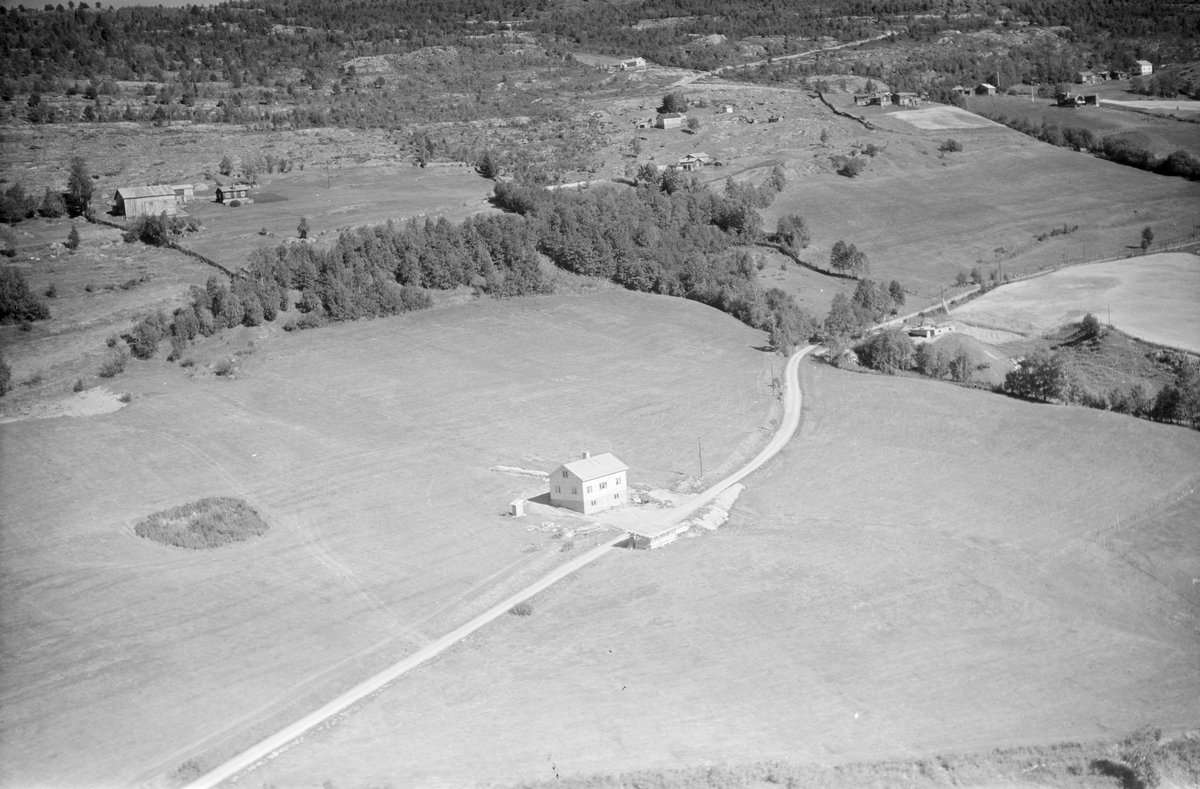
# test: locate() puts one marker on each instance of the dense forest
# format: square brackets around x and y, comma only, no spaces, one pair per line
[254,52]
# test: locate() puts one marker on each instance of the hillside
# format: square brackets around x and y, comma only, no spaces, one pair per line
[369,450]
[926,569]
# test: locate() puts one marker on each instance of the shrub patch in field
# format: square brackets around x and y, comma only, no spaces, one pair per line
[207,523]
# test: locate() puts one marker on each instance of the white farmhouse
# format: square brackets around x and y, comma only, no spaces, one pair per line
[1142,68]
[592,484]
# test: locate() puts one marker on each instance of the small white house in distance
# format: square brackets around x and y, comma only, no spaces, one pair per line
[591,484]
[1142,68]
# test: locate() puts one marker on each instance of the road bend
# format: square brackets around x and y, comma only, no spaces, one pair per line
[269,746]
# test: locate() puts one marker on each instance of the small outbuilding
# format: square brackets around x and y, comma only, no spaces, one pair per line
[985,89]
[184,193]
[649,537]
[928,331]
[516,508]
[590,484]
[669,120]
[134,201]
[959,90]
[630,64]
[904,99]
[225,194]
[1086,78]
[1069,99]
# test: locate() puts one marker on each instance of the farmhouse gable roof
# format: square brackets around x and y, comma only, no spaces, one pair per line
[131,192]
[597,466]
[667,115]
[1142,62]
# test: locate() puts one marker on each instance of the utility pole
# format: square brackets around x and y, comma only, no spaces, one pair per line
[327,182]
[700,445]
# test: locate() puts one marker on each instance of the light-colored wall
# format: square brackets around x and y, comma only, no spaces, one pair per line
[149,206]
[581,501]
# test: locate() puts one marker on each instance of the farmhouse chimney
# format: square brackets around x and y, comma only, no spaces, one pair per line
[587,455]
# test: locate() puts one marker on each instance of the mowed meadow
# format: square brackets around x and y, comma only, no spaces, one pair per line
[1153,297]
[922,216]
[925,569]
[367,447]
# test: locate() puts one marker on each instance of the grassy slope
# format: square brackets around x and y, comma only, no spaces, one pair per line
[927,568]
[922,217]
[367,447]
[1161,136]
[1156,298]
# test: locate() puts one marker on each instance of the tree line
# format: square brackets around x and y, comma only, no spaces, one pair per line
[669,234]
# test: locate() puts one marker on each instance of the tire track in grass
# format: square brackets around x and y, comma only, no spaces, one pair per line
[287,738]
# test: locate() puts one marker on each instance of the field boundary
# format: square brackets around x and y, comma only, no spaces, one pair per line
[94,219]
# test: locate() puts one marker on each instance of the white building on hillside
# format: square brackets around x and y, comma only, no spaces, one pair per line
[1142,68]
[591,484]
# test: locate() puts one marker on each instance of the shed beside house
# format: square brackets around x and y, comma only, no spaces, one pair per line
[669,120]
[650,537]
[132,201]
[591,484]
[1086,78]
[959,90]
[232,192]
[984,89]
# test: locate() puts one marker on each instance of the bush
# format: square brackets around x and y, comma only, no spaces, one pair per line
[950,146]
[522,608]
[225,368]
[73,239]
[79,385]
[235,203]
[1090,326]
[17,302]
[52,291]
[887,351]
[1038,377]
[207,523]
[114,365]
[5,377]
[53,206]
[852,167]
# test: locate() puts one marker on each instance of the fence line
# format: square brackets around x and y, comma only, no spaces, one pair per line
[170,244]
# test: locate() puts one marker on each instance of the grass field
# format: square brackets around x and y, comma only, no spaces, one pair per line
[367,449]
[925,569]
[1160,135]
[102,288]
[1155,298]
[340,177]
[922,217]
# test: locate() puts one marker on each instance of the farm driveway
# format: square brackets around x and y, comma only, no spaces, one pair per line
[268,748]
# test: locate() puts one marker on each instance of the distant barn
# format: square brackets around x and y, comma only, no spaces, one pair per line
[134,201]
[669,120]
[233,192]
[984,89]
[591,484]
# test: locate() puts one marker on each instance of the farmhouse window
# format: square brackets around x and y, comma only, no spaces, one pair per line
[557,489]
[617,482]
[616,495]
[574,490]
[593,502]
[603,485]
[564,474]
[589,488]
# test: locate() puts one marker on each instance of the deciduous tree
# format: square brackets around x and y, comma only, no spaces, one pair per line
[79,187]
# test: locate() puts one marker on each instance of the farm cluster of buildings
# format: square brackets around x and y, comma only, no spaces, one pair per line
[883,97]
[135,201]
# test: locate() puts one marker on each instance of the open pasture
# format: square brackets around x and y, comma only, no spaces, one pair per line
[339,177]
[922,216]
[925,569]
[100,290]
[1160,135]
[342,199]
[940,117]
[368,449]
[1155,298]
